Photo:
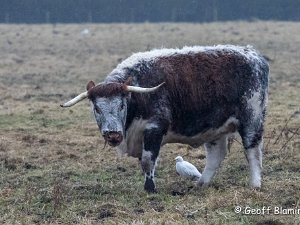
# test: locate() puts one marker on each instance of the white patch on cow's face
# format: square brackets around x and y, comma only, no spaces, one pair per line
[110,114]
[254,103]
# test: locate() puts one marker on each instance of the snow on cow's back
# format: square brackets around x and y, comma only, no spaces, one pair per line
[151,56]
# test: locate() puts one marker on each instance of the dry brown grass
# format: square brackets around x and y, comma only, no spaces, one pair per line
[53,168]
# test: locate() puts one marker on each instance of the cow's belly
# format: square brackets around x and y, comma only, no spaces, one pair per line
[132,145]
[230,126]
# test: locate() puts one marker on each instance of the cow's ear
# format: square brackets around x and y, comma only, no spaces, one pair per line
[90,85]
[128,81]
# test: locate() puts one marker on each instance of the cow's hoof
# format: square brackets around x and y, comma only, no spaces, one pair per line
[256,184]
[256,188]
[152,191]
[150,186]
[202,184]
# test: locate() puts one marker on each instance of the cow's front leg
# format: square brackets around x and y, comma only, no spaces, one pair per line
[153,135]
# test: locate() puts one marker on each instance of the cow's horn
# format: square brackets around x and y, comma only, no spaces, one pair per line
[75,100]
[143,90]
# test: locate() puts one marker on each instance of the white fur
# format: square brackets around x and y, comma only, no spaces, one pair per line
[254,156]
[151,126]
[214,156]
[254,103]
[155,54]
[146,154]
[146,159]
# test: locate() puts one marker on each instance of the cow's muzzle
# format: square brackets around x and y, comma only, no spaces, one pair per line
[113,138]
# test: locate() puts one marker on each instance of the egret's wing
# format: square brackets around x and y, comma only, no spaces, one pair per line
[183,171]
[190,169]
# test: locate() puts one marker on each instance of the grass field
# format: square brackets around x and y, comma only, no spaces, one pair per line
[54,169]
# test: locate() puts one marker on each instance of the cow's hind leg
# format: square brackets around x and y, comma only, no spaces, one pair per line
[251,131]
[253,144]
[254,156]
[215,153]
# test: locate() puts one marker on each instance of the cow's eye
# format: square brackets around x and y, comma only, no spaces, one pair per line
[97,109]
[121,106]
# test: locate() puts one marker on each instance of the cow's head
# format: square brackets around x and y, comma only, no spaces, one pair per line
[109,104]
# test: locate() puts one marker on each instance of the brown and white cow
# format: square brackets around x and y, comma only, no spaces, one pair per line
[194,95]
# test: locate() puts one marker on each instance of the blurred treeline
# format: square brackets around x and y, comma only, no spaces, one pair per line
[82,11]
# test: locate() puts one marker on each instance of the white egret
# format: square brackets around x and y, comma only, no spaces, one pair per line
[186,169]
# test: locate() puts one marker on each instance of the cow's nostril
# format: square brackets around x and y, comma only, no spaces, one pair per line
[113,136]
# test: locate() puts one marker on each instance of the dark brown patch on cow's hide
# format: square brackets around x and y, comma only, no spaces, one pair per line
[107,90]
[205,78]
